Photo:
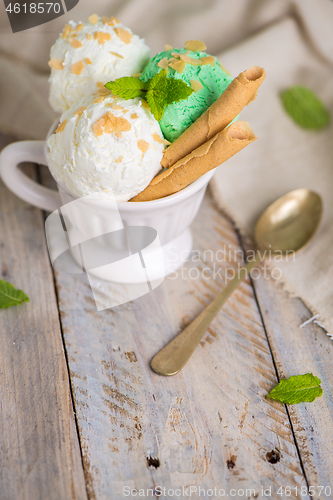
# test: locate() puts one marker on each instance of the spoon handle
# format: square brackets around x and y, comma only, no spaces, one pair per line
[174,356]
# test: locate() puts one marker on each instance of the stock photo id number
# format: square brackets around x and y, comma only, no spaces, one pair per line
[25,14]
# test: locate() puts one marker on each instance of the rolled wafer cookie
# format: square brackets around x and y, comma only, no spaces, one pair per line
[209,155]
[241,91]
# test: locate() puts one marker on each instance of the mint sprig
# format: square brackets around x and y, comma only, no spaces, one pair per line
[158,91]
[305,108]
[297,389]
[11,296]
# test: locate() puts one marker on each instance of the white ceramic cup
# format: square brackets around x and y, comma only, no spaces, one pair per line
[170,216]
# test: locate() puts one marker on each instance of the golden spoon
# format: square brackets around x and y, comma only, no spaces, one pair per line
[287,225]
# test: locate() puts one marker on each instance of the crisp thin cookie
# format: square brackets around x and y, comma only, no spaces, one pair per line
[208,60]
[61,127]
[179,66]
[93,19]
[77,68]
[124,35]
[116,54]
[117,106]
[163,63]
[190,60]
[145,104]
[157,138]
[102,37]
[98,127]
[79,111]
[195,85]
[98,99]
[110,21]
[101,89]
[55,64]
[118,124]
[110,123]
[143,145]
[104,92]
[195,45]
[67,31]
[75,43]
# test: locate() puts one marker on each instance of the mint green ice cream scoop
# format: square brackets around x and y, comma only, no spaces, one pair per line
[180,115]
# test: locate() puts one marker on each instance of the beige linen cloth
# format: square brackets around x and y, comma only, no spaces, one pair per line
[291,39]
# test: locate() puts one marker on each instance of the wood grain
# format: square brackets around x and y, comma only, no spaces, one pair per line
[302,350]
[210,425]
[40,456]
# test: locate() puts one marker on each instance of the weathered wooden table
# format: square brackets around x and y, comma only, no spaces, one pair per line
[83,416]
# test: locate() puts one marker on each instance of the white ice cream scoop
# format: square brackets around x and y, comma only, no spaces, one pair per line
[88,54]
[108,145]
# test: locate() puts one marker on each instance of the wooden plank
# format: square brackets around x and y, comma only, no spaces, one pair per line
[39,448]
[210,425]
[301,350]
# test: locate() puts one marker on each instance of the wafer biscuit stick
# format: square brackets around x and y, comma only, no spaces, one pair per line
[209,155]
[241,91]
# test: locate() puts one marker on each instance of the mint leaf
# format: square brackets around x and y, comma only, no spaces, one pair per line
[305,108]
[177,90]
[156,95]
[127,87]
[163,91]
[159,81]
[158,91]
[297,389]
[10,296]
[156,103]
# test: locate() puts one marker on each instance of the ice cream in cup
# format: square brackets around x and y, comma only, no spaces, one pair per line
[201,71]
[106,144]
[87,55]
[119,184]
[170,216]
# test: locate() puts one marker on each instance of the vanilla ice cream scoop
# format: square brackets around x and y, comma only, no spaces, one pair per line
[106,145]
[88,54]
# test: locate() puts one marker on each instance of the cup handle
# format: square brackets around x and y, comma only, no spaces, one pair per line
[24,187]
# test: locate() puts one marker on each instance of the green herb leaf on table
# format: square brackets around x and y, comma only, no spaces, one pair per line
[305,108]
[297,389]
[11,296]
[158,91]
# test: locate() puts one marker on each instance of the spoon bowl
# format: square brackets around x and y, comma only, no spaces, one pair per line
[289,223]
